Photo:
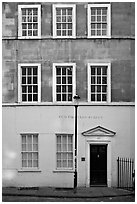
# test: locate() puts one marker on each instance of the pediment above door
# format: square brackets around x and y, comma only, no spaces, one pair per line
[98,131]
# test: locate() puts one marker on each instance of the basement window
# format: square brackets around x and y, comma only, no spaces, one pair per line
[99,82]
[64,21]
[29,151]
[99,21]
[63,82]
[64,151]
[29,83]
[29,21]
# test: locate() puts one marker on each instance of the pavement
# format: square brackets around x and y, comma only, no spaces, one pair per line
[80,192]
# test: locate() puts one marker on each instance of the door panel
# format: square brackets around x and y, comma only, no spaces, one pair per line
[98,164]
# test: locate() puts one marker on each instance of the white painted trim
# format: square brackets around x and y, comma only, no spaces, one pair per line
[19,82]
[73,6]
[69,104]
[108,64]
[73,80]
[108,20]
[20,21]
[98,141]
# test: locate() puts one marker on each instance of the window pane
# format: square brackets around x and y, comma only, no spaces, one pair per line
[24,156]
[24,97]
[35,163]
[23,138]
[92,89]
[63,88]
[23,11]
[58,26]
[64,139]
[58,97]
[70,139]
[35,71]
[29,80]
[92,32]
[35,11]
[58,163]
[98,80]
[69,80]
[104,70]
[29,163]
[104,97]
[69,32]
[35,139]
[35,147]
[35,32]
[98,88]
[35,80]
[35,89]
[58,147]
[58,156]
[29,89]
[64,163]
[70,88]
[98,97]
[35,156]
[70,156]
[58,80]
[92,71]
[58,139]
[24,163]
[23,71]
[92,97]
[98,71]
[35,97]
[64,156]
[69,97]
[70,163]
[23,80]
[29,97]
[29,156]
[69,11]
[92,80]
[64,97]
[104,11]
[29,147]
[63,80]
[64,32]
[104,32]
[24,89]
[70,147]
[69,70]
[104,80]
[58,11]
[104,88]
[24,148]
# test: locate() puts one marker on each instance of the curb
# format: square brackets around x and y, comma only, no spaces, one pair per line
[68,196]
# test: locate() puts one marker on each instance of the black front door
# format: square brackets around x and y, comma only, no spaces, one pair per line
[98,164]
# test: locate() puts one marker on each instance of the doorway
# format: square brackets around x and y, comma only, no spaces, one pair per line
[98,165]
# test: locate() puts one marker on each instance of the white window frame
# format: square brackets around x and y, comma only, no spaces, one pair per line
[65,168]
[19,82]
[20,21]
[29,168]
[73,6]
[73,80]
[108,20]
[108,81]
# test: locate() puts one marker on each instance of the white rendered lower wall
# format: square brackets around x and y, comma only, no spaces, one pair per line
[47,121]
